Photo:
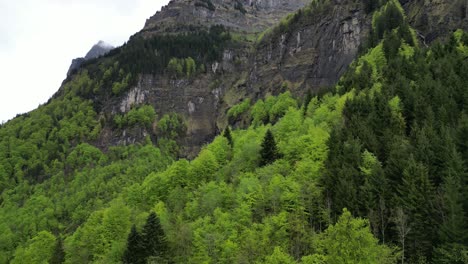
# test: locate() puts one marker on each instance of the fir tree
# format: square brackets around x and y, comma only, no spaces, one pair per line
[154,239]
[269,152]
[228,136]
[59,255]
[134,254]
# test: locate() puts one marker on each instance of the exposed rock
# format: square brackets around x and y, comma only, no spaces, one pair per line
[260,14]
[312,53]
[99,49]
[437,18]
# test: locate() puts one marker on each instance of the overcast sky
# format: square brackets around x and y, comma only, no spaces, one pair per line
[39,39]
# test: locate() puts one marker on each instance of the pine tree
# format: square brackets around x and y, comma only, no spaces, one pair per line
[228,136]
[134,254]
[416,194]
[154,239]
[59,255]
[269,152]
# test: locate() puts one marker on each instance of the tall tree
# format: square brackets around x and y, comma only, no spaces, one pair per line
[416,194]
[228,136]
[58,256]
[269,152]
[350,241]
[134,254]
[154,239]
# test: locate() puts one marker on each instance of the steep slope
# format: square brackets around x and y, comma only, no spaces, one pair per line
[99,49]
[437,19]
[372,171]
[250,16]
[306,52]
[297,57]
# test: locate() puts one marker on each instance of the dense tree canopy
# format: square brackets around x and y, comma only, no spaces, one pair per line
[389,144]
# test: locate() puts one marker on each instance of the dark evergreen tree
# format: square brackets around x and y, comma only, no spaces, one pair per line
[416,194]
[307,100]
[228,136]
[269,152]
[154,239]
[59,255]
[135,252]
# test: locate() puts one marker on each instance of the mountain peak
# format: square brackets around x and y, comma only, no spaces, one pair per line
[98,49]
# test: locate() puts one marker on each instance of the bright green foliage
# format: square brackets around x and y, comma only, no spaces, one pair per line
[142,115]
[259,113]
[171,126]
[239,109]
[39,249]
[272,108]
[351,241]
[103,233]
[176,67]
[279,257]
[390,144]
[179,67]
[190,66]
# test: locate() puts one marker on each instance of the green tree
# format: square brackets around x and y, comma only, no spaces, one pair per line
[190,66]
[134,254]
[269,151]
[38,250]
[351,241]
[154,239]
[58,256]
[175,67]
[228,136]
[279,257]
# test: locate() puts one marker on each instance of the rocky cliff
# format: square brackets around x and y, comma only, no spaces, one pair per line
[98,49]
[304,52]
[239,15]
[436,18]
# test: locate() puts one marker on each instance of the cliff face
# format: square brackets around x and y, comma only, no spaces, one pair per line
[312,53]
[238,15]
[99,49]
[315,53]
[306,52]
[437,18]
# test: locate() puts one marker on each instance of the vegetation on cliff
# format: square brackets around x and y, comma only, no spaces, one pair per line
[375,171]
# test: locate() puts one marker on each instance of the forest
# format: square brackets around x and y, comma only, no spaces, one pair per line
[373,171]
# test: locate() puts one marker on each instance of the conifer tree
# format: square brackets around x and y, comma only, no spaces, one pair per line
[134,254]
[59,255]
[228,136]
[269,152]
[154,239]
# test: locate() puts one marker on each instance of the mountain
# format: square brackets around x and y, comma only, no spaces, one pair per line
[99,49]
[260,131]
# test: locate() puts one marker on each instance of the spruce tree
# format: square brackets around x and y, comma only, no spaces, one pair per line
[154,239]
[228,136]
[134,254]
[269,152]
[59,255]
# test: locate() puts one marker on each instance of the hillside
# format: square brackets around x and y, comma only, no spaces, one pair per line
[337,134]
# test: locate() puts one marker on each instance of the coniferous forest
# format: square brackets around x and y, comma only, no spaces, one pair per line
[373,171]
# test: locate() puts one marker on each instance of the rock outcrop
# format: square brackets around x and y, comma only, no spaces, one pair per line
[307,54]
[99,49]
[436,19]
[238,15]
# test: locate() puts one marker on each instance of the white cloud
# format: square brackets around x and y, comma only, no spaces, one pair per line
[38,40]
